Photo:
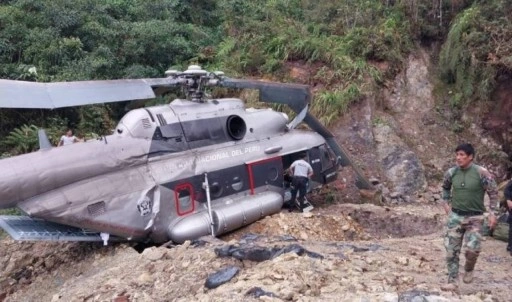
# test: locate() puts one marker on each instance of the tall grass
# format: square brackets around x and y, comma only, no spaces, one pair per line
[333,40]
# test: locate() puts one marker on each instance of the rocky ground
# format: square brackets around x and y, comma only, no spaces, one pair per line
[360,253]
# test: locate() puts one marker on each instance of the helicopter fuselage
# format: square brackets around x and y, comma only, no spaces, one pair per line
[172,172]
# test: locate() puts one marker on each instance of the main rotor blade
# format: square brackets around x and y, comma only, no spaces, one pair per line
[296,96]
[344,158]
[22,94]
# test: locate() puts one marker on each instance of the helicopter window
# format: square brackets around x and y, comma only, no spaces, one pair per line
[216,190]
[171,130]
[273,174]
[237,183]
[184,199]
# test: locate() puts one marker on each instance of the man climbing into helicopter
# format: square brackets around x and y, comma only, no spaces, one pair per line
[301,172]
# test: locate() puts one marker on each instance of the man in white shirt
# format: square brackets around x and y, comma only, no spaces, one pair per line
[301,171]
[67,139]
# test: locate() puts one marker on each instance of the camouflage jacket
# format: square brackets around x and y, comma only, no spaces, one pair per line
[465,188]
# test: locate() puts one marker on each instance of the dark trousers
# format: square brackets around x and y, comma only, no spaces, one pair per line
[509,220]
[509,247]
[300,185]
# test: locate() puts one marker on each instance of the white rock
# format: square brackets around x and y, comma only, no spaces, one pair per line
[145,278]
[153,253]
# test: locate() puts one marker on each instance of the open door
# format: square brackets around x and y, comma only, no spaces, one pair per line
[265,172]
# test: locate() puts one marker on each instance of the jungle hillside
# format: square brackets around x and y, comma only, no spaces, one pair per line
[351,49]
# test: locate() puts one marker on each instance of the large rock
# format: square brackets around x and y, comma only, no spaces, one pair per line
[401,165]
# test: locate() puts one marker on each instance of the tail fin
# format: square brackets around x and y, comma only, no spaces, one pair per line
[44,142]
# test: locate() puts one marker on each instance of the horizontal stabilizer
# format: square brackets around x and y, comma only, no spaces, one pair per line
[24,228]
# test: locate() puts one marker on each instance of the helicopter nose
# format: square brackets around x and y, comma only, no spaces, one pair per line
[9,184]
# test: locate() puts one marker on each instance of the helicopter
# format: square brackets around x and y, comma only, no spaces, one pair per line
[194,167]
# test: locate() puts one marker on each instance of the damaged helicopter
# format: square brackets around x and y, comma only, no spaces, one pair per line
[197,166]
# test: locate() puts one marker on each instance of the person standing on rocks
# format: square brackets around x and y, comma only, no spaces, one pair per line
[464,187]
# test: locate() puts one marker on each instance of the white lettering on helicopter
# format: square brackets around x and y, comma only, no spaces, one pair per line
[219,156]
[214,156]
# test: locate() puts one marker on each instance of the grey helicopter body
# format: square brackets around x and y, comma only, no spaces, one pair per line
[197,166]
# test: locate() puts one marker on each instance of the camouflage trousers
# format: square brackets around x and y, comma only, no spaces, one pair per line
[459,228]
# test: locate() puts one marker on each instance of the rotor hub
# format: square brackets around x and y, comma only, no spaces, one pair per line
[194,81]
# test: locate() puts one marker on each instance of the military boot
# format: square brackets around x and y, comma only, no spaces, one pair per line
[469,266]
[451,287]
[468,277]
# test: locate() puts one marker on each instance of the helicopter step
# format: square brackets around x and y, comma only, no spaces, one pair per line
[24,228]
[308,207]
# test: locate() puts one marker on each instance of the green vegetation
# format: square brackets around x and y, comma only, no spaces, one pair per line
[62,40]
[11,211]
[345,49]
[477,50]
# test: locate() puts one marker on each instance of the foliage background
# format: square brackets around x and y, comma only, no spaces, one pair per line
[341,43]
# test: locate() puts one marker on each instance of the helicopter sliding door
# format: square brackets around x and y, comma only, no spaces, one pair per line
[321,159]
[267,172]
[323,163]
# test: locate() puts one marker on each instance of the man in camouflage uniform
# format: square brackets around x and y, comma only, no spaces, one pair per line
[464,187]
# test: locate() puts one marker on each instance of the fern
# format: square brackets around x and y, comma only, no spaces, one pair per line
[226,47]
[459,63]
[23,139]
